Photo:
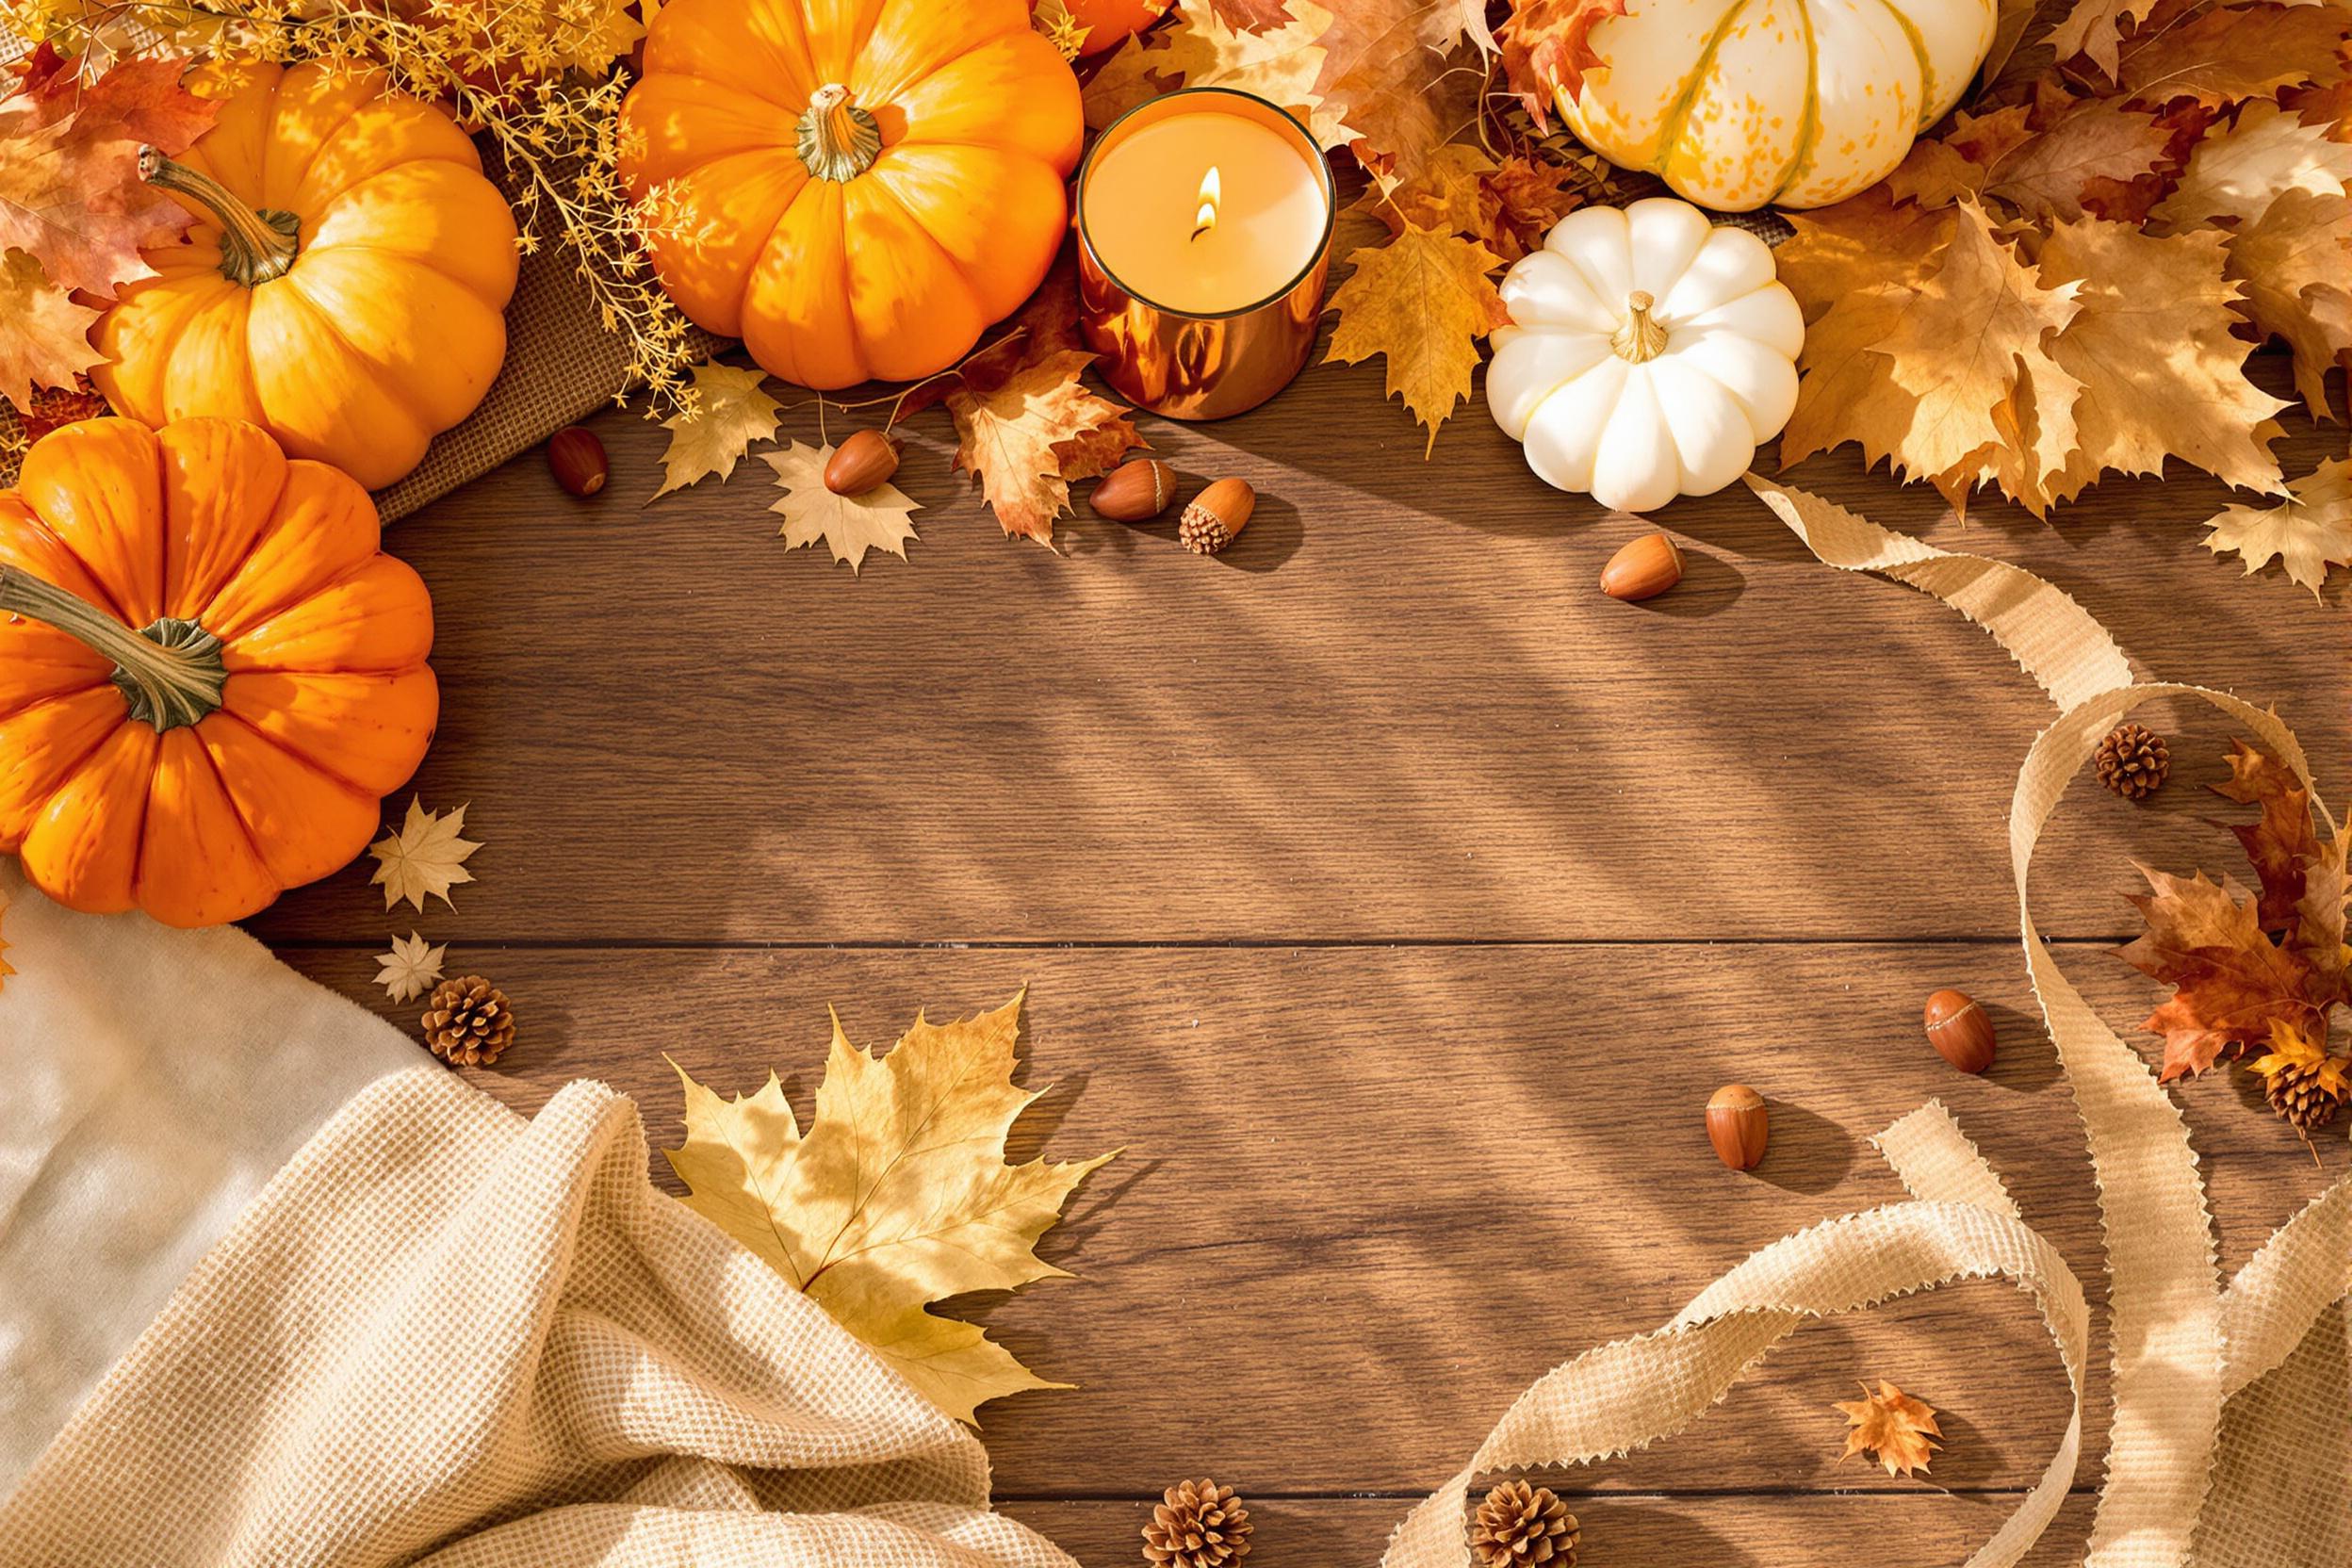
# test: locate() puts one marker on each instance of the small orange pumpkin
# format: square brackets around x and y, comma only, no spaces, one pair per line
[209,672]
[861,189]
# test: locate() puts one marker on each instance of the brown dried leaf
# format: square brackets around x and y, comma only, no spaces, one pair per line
[2237,173]
[1025,435]
[2229,53]
[730,408]
[2309,531]
[1424,299]
[2052,174]
[2295,264]
[2096,29]
[2231,980]
[1547,47]
[1895,1428]
[876,519]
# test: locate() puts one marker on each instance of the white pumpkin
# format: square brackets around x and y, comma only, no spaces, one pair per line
[1737,102]
[1649,353]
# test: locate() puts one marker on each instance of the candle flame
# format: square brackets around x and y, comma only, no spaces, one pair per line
[1212,192]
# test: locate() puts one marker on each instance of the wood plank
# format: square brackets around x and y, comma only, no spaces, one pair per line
[1398,710]
[1370,1194]
[1919,1526]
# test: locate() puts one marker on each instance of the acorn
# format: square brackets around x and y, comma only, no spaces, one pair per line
[1217,515]
[576,457]
[1738,1126]
[858,465]
[1643,569]
[1959,1030]
[1134,491]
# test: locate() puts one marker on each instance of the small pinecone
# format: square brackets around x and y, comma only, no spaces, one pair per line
[2295,1092]
[2133,761]
[1523,1527]
[1201,1524]
[468,1022]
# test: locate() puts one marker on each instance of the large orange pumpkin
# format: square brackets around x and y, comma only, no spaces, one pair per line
[345,282]
[864,187]
[209,672]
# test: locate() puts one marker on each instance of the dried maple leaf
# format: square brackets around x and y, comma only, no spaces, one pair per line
[850,525]
[1547,47]
[727,412]
[2237,173]
[1282,65]
[1252,16]
[1446,193]
[1406,76]
[1026,432]
[1529,195]
[1424,299]
[1896,1428]
[2096,29]
[2292,1049]
[139,97]
[2296,266]
[897,1196]
[1939,170]
[2301,874]
[411,969]
[425,859]
[2309,531]
[2233,53]
[44,336]
[2089,151]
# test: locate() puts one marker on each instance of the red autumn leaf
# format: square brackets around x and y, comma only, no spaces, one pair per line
[1547,45]
[2232,980]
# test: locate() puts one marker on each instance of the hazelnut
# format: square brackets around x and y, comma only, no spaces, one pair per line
[1134,491]
[576,457]
[1959,1030]
[1738,1126]
[1217,516]
[858,465]
[1643,569]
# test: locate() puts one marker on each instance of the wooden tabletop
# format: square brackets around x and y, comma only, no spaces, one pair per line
[1393,898]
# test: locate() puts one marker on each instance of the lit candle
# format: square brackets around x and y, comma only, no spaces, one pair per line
[1206,219]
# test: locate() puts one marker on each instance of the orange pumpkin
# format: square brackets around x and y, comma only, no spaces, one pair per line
[345,282]
[862,187]
[209,672]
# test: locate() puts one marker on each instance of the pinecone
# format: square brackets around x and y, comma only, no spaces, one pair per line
[468,1022]
[2302,1094]
[2133,761]
[1523,1527]
[1200,1524]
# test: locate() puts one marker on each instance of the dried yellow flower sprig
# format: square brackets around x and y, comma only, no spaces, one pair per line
[537,78]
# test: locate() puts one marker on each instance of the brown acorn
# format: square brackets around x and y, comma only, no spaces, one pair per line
[1217,515]
[858,465]
[1959,1030]
[1134,491]
[1643,569]
[576,457]
[1738,1126]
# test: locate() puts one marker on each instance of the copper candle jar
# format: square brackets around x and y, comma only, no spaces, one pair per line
[1200,364]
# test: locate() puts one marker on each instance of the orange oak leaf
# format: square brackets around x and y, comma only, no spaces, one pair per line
[2295,264]
[44,336]
[2230,981]
[1896,1428]
[1547,45]
[1025,435]
[1423,301]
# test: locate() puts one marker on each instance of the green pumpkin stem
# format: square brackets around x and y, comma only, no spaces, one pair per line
[171,674]
[255,246]
[837,140]
[1641,339]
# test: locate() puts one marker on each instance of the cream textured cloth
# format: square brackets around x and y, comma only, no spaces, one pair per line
[444,1336]
[151,1084]
[2231,1444]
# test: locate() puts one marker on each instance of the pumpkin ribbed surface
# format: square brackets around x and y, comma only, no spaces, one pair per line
[860,188]
[344,286]
[1737,102]
[307,695]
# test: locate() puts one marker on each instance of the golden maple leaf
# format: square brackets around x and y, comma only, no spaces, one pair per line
[1278,64]
[2309,533]
[411,969]
[2292,1048]
[1893,1426]
[425,859]
[726,410]
[1424,299]
[1028,427]
[897,1196]
[2296,265]
[44,336]
[849,525]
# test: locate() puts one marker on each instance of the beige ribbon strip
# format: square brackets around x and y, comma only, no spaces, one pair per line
[2183,1344]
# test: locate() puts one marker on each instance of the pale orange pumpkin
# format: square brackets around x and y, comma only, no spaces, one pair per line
[860,188]
[209,671]
[345,282]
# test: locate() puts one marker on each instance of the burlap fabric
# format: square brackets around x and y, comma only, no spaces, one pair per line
[443,1336]
[2230,1444]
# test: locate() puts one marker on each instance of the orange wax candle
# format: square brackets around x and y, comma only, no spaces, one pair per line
[1205,212]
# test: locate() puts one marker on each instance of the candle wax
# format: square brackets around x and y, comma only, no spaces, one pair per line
[1143,202]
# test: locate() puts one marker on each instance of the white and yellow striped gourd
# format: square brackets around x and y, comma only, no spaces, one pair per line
[1737,102]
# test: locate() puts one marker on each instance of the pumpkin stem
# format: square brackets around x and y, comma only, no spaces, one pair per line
[837,140]
[255,246]
[171,674]
[1640,339]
